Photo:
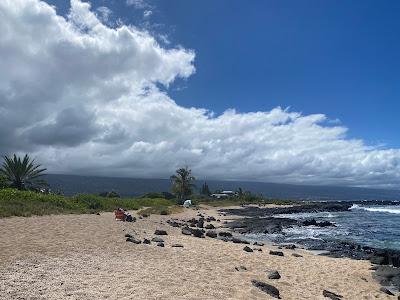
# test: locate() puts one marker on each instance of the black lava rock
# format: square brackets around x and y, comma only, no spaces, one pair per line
[210,226]
[225,234]
[157,240]
[266,288]
[160,244]
[146,241]
[211,234]
[274,275]
[331,295]
[247,249]
[133,240]
[186,231]
[160,232]
[278,253]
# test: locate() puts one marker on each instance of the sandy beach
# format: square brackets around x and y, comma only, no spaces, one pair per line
[87,257]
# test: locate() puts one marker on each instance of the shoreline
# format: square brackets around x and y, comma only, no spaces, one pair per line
[259,220]
[86,256]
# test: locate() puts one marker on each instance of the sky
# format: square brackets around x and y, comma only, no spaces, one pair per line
[280,91]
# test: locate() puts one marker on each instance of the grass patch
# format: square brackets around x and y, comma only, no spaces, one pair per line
[27,203]
[161,210]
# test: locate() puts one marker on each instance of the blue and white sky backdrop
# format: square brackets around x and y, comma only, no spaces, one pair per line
[280,91]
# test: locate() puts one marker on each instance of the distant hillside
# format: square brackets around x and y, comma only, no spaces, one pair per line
[72,184]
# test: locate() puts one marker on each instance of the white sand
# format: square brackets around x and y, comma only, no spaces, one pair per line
[87,257]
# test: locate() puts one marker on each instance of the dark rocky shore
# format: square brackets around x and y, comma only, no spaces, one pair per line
[261,220]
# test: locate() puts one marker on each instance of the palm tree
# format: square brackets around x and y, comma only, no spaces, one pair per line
[22,173]
[182,182]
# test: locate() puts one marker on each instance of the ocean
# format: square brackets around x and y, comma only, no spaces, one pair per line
[374,226]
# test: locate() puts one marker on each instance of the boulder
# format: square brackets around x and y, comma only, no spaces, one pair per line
[313,222]
[266,288]
[146,241]
[247,249]
[200,223]
[173,223]
[278,253]
[331,295]
[198,233]
[211,234]
[186,231]
[386,291]
[274,275]
[157,240]
[160,232]
[225,234]
[210,226]
[160,244]
[133,240]
[239,241]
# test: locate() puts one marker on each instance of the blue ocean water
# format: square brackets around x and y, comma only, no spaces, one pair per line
[375,226]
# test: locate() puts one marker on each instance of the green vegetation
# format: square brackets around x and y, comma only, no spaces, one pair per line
[14,202]
[22,173]
[161,210]
[182,183]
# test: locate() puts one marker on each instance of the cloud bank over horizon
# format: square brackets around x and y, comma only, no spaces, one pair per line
[84,98]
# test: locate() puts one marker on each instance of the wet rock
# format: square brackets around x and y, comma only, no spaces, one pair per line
[331,295]
[157,240]
[177,245]
[146,241]
[266,288]
[313,222]
[186,231]
[133,240]
[160,232]
[225,234]
[210,226]
[247,249]
[160,244]
[211,234]
[274,275]
[290,246]
[278,253]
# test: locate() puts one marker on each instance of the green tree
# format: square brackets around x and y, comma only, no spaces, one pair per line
[182,182]
[205,189]
[22,173]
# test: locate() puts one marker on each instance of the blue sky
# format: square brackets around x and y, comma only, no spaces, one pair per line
[276,91]
[340,58]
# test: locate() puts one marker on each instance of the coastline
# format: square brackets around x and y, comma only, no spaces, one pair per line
[86,256]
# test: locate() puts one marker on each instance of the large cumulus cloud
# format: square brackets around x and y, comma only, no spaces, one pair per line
[83,98]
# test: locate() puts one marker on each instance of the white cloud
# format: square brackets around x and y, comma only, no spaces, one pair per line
[138,4]
[147,13]
[104,13]
[82,97]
